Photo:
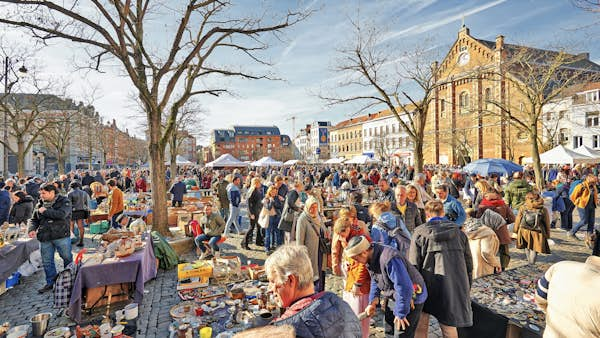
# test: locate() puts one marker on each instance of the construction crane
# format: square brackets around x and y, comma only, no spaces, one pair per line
[293,118]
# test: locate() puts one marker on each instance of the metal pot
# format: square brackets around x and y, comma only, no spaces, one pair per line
[39,323]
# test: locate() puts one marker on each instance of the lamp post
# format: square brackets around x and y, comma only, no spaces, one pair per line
[22,69]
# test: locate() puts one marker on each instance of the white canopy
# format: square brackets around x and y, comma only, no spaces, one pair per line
[335,160]
[587,151]
[180,160]
[360,159]
[562,155]
[267,161]
[291,162]
[226,160]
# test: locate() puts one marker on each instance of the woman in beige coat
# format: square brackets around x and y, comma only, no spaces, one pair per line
[308,231]
[484,246]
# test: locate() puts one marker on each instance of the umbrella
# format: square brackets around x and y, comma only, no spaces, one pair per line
[486,166]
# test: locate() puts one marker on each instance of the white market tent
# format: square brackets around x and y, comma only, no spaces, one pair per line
[291,162]
[587,151]
[335,160]
[360,159]
[180,160]
[562,155]
[267,161]
[226,160]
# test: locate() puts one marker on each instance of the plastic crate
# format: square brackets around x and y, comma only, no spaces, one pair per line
[13,280]
[99,227]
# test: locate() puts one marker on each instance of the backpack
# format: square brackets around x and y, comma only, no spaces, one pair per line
[398,238]
[533,220]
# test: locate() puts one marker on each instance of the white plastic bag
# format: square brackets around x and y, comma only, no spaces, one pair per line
[35,258]
[27,269]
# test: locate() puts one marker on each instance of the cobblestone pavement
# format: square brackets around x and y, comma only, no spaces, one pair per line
[20,303]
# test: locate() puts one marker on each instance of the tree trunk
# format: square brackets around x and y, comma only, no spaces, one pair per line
[20,157]
[157,173]
[418,155]
[173,145]
[535,157]
[61,164]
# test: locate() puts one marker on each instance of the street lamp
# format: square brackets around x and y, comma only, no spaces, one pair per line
[23,70]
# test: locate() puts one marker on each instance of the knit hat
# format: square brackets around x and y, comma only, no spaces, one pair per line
[356,246]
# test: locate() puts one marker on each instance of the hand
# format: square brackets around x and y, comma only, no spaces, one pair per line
[370,310]
[412,304]
[401,323]
[252,217]
[280,198]
[32,234]
[41,210]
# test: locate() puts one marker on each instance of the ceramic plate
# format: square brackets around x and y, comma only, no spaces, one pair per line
[57,332]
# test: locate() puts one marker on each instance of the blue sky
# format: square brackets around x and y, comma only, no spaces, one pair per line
[306,56]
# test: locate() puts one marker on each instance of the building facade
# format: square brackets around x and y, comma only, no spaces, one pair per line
[250,143]
[465,120]
[573,119]
[346,137]
[385,139]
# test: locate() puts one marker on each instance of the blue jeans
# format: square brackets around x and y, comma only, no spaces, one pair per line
[212,241]
[272,233]
[113,220]
[63,246]
[234,213]
[587,216]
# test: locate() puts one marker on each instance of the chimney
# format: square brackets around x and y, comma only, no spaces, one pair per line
[499,42]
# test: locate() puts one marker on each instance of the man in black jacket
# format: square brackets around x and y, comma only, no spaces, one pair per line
[50,224]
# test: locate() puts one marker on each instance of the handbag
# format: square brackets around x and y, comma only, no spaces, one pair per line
[324,243]
[263,218]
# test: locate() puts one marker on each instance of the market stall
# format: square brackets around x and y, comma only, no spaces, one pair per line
[504,306]
[137,268]
[15,249]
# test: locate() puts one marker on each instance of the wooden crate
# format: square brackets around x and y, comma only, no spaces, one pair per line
[98,296]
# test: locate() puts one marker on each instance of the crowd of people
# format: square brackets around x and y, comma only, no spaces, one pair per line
[414,252]
[409,244]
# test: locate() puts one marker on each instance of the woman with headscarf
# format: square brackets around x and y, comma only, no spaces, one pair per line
[309,232]
[484,246]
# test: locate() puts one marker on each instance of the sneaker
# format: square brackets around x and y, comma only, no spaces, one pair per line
[47,287]
[588,241]
[572,236]
[202,256]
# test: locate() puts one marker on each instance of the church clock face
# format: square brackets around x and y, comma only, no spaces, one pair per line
[463,58]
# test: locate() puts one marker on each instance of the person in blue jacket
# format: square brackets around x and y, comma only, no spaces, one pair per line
[388,229]
[392,277]
[178,189]
[5,202]
[452,208]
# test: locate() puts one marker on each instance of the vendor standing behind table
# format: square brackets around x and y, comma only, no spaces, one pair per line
[115,202]
[50,224]
[178,189]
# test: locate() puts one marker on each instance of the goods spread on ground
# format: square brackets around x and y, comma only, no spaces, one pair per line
[222,296]
[511,294]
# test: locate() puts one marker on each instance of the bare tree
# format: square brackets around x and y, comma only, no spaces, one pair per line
[190,122]
[60,132]
[587,5]
[166,73]
[534,78]
[379,73]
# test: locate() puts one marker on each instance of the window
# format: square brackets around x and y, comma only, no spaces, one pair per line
[596,141]
[522,135]
[488,96]
[562,114]
[521,107]
[592,96]
[393,128]
[463,102]
[442,105]
[549,116]
[577,141]
[592,119]
[564,135]
[387,130]
[366,146]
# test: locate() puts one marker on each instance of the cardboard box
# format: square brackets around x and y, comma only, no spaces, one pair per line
[188,270]
[98,296]
[2,287]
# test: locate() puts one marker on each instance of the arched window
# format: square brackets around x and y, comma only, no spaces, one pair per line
[487,96]
[463,102]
